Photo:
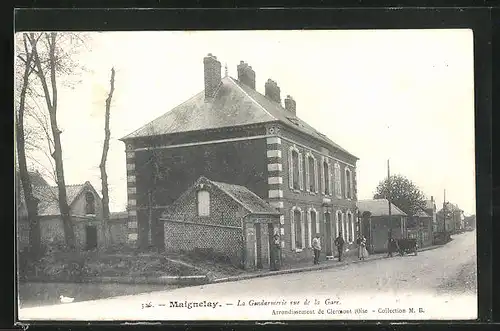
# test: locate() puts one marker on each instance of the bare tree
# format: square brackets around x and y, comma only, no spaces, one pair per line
[26,61]
[54,59]
[105,148]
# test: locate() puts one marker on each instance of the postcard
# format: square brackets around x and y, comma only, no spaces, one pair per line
[245,175]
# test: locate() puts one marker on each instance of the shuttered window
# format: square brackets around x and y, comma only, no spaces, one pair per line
[203,203]
[338,187]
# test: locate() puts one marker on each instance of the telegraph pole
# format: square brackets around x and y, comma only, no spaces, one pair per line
[444,211]
[389,195]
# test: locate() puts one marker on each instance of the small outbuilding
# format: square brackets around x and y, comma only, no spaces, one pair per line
[226,220]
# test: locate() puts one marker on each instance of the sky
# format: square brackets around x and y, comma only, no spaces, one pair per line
[403,95]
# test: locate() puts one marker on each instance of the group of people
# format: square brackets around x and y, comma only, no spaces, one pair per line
[339,243]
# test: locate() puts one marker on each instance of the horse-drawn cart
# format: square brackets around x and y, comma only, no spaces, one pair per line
[407,246]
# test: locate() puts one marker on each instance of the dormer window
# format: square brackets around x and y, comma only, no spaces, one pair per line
[203,198]
[89,203]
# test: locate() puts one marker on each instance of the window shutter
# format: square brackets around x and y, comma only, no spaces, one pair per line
[316,175]
[303,228]
[309,234]
[292,232]
[308,184]
[352,185]
[353,227]
[336,225]
[330,179]
[322,169]
[345,183]
[301,172]
[338,187]
[318,230]
[343,226]
[290,168]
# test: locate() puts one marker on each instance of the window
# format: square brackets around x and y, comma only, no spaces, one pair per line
[312,221]
[295,173]
[348,183]
[339,225]
[203,203]
[311,173]
[299,234]
[308,230]
[326,178]
[338,187]
[315,220]
[89,204]
[350,227]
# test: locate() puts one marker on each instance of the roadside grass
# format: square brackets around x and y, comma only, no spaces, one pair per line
[73,266]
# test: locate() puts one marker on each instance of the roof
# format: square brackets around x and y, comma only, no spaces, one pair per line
[249,200]
[36,179]
[240,194]
[234,104]
[421,213]
[48,197]
[379,207]
[118,215]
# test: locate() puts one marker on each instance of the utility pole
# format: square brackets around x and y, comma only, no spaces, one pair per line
[389,195]
[444,211]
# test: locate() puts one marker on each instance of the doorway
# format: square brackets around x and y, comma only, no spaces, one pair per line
[328,234]
[258,246]
[91,237]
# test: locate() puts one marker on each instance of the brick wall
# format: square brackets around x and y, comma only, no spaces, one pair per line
[238,162]
[187,237]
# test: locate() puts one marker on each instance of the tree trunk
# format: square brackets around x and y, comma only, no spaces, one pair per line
[31,202]
[102,165]
[69,233]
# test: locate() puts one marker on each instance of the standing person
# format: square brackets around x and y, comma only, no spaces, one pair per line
[339,242]
[363,252]
[358,242]
[390,244]
[276,253]
[316,244]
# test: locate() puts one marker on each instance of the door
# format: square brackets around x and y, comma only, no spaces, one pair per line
[91,237]
[258,243]
[328,235]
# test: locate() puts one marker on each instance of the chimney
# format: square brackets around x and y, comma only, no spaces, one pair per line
[290,104]
[273,91]
[212,71]
[432,198]
[246,74]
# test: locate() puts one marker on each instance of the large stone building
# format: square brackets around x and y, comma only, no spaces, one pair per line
[231,133]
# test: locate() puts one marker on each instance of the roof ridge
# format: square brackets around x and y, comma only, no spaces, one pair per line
[251,98]
[157,118]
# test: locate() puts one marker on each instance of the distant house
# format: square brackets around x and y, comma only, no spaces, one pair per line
[376,223]
[430,209]
[224,219]
[419,227]
[451,217]
[85,208]
[470,222]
